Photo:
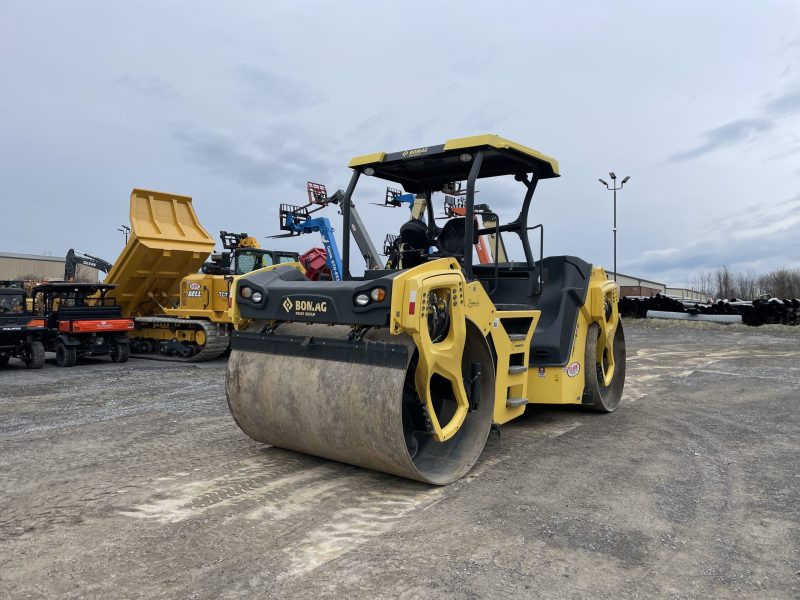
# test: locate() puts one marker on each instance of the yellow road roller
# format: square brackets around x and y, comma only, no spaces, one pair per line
[406,370]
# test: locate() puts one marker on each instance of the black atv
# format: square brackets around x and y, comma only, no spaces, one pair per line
[20,331]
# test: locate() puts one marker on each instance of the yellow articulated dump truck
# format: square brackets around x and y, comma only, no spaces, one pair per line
[180,313]
[405,370]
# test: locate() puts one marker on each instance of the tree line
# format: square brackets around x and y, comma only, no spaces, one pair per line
[748,285]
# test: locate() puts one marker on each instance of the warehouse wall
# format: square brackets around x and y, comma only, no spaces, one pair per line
[630,281]
[684,294]
[39,268]
[638,290]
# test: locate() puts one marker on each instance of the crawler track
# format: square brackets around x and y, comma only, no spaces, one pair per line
[217,338]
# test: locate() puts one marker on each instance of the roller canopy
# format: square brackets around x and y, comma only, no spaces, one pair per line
[433,166]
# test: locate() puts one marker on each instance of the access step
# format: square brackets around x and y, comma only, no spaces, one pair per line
[516,402]
[517,369]
[517,337]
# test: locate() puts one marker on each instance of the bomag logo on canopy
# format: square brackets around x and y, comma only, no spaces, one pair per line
[415,152]
[305,307]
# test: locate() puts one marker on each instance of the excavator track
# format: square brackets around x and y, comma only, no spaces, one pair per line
[217,338]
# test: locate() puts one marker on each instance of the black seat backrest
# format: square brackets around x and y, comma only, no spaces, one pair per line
[451,239]
[566,282]
[563,292]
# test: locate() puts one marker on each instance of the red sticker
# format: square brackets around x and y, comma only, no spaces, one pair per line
[573,369]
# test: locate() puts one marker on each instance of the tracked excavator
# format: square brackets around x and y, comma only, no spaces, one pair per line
[75,258]
[180,314]
[406,370]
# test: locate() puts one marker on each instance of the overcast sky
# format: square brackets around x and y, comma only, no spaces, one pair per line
[238,104]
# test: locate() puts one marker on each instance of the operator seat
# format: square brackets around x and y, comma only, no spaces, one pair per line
[415,239]
[450,240]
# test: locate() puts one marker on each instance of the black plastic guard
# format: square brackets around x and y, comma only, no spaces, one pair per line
[364,352]
[286,295]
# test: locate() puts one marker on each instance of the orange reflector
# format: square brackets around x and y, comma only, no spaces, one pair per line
[36,323]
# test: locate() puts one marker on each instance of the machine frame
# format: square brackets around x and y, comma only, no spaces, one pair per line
[550,326]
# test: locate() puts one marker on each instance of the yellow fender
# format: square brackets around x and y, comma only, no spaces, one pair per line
[602,308]
[410,309]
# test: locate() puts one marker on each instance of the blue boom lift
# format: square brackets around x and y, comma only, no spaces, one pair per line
[297,220]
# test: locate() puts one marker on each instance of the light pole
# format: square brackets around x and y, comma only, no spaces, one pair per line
[125,230]
[613,187]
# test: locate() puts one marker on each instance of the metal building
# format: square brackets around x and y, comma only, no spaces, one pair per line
[688,295]
[636,286]
[37,267]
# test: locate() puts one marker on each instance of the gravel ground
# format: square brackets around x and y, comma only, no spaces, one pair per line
[133,481]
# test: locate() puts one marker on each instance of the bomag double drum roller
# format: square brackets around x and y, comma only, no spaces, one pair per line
[405,370]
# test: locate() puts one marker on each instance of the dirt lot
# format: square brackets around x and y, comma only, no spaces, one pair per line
[133,481]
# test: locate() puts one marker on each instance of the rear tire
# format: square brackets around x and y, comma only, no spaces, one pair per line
[4,358]
[66,356]
[600,397]
[121,353]
[35,359]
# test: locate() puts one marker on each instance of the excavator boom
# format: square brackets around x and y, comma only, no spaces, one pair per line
[75,258]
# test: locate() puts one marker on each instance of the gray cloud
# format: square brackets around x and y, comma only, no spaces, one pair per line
[766,252]
[757,237]
[148,85]
[755,216]
[784,105]
[373,127]
[257,162]
[741,130]
[266,89]
[726,135]
[485,118]
[791,201]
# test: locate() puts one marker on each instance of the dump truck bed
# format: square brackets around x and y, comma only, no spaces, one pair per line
[166,244]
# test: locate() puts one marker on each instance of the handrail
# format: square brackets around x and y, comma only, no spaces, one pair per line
[469,203]
[540,268]
[490,213]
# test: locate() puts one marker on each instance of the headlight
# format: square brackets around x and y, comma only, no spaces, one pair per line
[362,300]
[257,297]
[378,294]
[246,292]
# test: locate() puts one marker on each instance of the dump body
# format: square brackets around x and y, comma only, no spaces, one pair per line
[180,314]
[166,244]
